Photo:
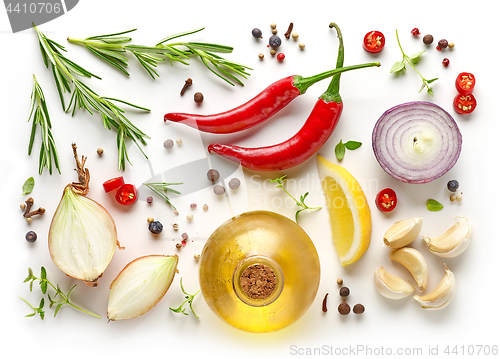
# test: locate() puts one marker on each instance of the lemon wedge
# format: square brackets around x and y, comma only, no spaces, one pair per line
[349,212]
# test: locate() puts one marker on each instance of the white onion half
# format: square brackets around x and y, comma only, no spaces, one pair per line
[82,237]
[140,285]
[416,142]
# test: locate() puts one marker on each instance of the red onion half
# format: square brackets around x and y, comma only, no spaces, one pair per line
[416,142]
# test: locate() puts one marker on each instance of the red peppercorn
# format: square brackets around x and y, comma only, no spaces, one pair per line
[415,31]
[446,62]
[280,57]
[438,48]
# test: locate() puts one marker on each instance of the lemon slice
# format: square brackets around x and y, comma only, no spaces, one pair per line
[349,212]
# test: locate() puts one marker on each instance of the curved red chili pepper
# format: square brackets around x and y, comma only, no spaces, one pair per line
[270,101]
[307,141]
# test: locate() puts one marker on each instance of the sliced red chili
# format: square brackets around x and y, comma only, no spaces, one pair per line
[126,194]
[465,83]
[464,104]
[386,200]
[113,184]
[374,42]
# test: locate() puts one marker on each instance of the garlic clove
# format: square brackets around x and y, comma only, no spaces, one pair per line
[453,242]
[140,285]
[403,232]
[82,237]
[442,295]
[415,262]
[390,286]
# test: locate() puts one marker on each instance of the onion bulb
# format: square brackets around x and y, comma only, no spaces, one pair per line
[416,142]
[140,285]
[82,235]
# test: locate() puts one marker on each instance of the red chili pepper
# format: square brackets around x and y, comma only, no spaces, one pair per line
[386,200]
[126,194]
[113,184]
[465,83]
[374,42]
[464,104]
[273,99]
[313,134]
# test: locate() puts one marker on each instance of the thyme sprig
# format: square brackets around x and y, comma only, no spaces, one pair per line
[65,74]
[111,47]
[40,116]
[189,299]
[162,189]
[44,285]
[300,203]
[412,60]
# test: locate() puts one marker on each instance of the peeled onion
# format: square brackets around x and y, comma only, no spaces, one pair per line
[82,234]
[416,142]
[140,285]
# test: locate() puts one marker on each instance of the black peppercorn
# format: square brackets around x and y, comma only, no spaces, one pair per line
[344,292]
[428,39]
[31,236]
[155,227]
[358,309]
[344,308]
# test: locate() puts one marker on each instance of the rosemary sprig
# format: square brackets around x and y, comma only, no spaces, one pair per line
[110,48]
[162,189]
[189,299]
[44,284]
[83,97]
[40,116]
[412,60]
[301,203]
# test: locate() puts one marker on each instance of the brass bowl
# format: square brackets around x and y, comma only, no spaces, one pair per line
[269,239]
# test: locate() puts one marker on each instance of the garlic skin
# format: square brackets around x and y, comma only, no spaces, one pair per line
[415,262]
[453,242]
[82,237]
[390,286]
[442,295]
[141,285]
[403,232]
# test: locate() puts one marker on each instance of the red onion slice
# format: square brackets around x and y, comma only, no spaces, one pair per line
[416,142]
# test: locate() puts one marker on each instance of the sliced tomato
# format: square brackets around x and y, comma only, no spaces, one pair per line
[126,194]
[464,104]
[386,200]
[374,42]
[112,184]
[465,83]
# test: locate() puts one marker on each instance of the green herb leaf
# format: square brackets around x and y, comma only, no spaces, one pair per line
[340,150]
[28,186]
[434,206]
[189,299]
[398,66]
[431,80]
[352,145]
[415,57]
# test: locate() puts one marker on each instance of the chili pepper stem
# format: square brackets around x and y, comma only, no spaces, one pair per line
[332,93]
[303,83]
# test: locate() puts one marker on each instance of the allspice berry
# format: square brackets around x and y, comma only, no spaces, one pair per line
[198,97]
[100,151]
[344,292]
[428,39]
[358,309]
[344,308]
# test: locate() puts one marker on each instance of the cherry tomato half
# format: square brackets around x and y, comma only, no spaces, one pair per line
[374,42]
[465,83]
[464,104]
[126,194]
[113,184]
[386,200]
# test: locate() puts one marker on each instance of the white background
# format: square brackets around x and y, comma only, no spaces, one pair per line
[367,93]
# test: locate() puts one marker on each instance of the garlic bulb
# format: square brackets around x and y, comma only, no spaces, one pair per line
[140,285]
[82,235]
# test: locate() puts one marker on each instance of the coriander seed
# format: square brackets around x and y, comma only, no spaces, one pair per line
[272,52]
[295,36]
[460,198]
[175,226]
[205,207]
[340,281]
[451,45]
[178,141]
[151,219]
[273,25]
[23,206]
[302,45]
[197,257]
[29,219]
[189,217]
[178,245]
[274,31]
[261,56]
[100,151]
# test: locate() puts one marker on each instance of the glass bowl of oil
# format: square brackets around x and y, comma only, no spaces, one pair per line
[259,271]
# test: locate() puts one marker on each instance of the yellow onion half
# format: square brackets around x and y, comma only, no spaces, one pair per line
[141,285]
[82,237]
